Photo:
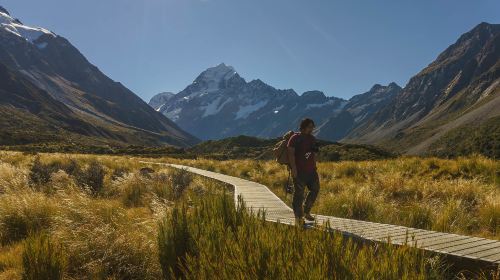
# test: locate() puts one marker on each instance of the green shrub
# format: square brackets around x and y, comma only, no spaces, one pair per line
[42,259]
[420,217]
[175,244]
[489,214]
[217,240]
[40,172]
[92,177]
[119,172]
[180,180]
[134,190]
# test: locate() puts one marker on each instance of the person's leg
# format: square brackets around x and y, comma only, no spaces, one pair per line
[298,197]
[313,186]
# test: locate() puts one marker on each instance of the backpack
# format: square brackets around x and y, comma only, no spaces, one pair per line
[280,149]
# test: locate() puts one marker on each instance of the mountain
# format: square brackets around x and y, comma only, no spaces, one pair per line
[459,91]
[219,103]
[161,98]
[357,110]
[45,62]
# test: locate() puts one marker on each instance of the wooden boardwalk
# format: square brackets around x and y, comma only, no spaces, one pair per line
[258,197]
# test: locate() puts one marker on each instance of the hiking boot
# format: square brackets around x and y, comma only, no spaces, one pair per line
[299,221]
[309,217]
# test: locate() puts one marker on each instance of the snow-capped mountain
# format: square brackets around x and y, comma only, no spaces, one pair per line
[38,59]
[16,27]
[219,103]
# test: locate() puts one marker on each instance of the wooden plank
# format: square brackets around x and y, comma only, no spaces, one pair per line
[477,249]
[443,246]
[442,240]
[372,231]
[486,253]
[384,232]
[493,258]
[468,245]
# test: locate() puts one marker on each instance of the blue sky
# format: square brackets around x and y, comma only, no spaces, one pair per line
[339,47]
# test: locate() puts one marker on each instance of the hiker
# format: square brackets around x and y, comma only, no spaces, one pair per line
[301,156]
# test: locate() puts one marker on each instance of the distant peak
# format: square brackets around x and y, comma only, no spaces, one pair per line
[222,67]
[378,87]
[393,85]
[16,27]
[481,31]
[257,82]
[485,26]
[217,73]
[314,94]
[3,10]
[166,93]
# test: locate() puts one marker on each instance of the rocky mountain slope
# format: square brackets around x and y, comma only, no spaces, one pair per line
[358,109]
[458,90]
[52,65]
[220,103]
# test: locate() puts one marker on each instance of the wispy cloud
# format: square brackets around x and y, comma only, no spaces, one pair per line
[286,48]
[327,36]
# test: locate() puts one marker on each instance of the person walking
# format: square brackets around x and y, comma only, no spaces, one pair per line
[302,148]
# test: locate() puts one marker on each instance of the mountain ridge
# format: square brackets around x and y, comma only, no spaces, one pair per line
[453,90]
[271,111]
[52,64]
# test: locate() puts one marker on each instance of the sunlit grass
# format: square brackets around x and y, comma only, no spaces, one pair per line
[122,227]
[459,196]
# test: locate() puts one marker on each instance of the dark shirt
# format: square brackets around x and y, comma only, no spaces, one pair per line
[304,154]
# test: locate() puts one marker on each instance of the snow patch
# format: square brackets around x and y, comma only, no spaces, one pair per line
[174,114]
[214,107]
[29,33]
[277,109]
[245,111]
[329,102]
[42,45]
[159,108]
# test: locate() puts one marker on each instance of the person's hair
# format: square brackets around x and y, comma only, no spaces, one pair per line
[305,123]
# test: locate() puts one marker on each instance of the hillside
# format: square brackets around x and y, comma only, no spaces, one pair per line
[460,89]
[107,111]
[247,147]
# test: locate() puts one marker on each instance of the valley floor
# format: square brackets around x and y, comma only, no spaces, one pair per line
[106,217]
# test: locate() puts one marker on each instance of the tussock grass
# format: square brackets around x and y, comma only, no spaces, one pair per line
[215,238]
[459,196]
[42,259]
[169,223]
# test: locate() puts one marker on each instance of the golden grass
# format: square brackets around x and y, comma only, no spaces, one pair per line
[459,196]
[115,232]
